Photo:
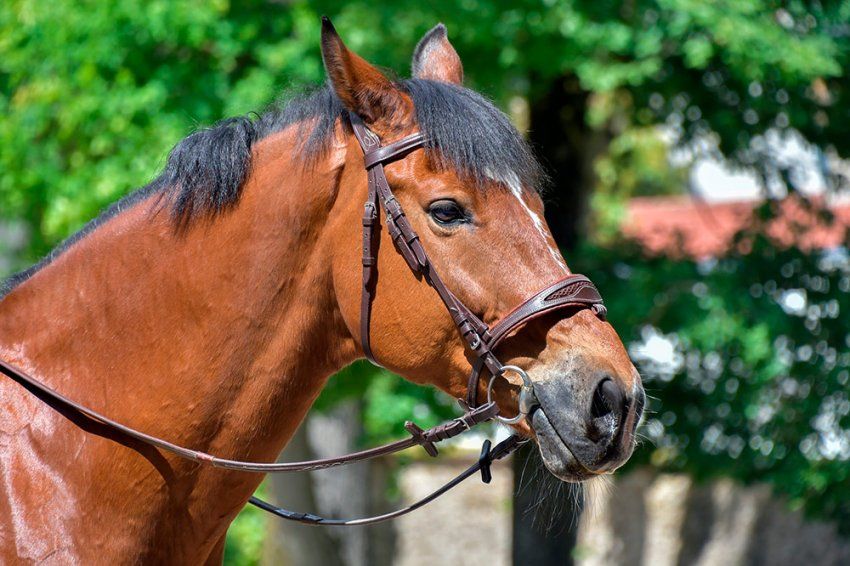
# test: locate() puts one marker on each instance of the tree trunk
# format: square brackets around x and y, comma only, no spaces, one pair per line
[351,491]
[568,147]
[545,521]
[356,490]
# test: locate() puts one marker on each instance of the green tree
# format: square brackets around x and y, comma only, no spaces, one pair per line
[93,94]
[754,382]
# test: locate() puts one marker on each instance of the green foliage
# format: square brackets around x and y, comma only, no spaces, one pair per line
[732,68]
[636,164]
[93,94]
[245,537]
[755,352]
[388,401]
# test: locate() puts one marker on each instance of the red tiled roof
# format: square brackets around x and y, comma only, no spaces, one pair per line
[685,226]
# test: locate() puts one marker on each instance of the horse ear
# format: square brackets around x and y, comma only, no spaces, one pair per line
[361,87]
[435,58]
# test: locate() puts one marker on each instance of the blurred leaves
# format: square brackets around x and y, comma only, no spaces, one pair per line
[636,164]
[746,360]
[245,537]
[93,94]
[388,401]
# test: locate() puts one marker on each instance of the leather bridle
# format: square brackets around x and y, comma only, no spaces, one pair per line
[572,292]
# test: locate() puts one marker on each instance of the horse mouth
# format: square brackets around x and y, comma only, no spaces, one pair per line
[555,451]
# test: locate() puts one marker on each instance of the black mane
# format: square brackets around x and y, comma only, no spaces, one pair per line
[205,172]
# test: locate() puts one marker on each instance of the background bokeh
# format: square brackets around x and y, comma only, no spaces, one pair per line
[621,99]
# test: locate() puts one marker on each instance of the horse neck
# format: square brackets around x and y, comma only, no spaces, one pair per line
[219,336]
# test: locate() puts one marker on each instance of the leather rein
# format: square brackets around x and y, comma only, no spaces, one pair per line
[571,292]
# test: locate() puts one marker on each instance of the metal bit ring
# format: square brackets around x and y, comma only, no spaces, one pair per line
[527,399]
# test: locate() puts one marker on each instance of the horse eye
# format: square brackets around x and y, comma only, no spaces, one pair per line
[447,212]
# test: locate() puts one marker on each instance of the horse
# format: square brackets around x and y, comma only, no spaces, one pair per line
[211,306]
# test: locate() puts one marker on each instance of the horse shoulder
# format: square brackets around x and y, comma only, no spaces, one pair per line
[33,492]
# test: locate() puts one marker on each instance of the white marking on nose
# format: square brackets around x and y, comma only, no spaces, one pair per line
[511,181]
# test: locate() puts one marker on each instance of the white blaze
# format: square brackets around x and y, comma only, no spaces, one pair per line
[512,182]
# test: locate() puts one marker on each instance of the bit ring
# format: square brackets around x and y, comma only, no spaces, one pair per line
[527,399]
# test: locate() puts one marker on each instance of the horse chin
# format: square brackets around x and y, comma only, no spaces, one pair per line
[556,454]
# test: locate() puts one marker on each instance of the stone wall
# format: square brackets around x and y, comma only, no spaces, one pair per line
[472,520]
[640,519]
[667,520]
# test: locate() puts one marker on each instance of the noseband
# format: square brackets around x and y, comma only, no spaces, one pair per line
[572,292]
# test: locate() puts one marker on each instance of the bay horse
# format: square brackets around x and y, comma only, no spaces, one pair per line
[211,306]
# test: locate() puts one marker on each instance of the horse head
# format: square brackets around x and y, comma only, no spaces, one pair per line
[472,197]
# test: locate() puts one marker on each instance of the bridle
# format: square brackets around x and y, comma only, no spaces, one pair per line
[572,292]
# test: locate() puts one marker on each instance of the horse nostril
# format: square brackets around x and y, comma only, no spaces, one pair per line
[607,399]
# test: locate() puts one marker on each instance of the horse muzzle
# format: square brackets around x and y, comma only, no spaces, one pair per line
[585,431]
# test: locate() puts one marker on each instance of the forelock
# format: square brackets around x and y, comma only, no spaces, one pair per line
[467,133]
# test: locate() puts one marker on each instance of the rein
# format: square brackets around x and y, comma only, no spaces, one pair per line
[572,292]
